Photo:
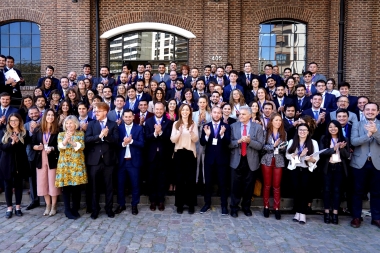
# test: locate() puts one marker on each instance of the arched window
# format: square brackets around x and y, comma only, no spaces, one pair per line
[282,43]
[22,41]
[147,46]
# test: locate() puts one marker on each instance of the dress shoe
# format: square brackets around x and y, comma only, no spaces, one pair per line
[266,212]
[161,206]
[296,217]
[1,190]
[180,210]
[326,218]
[247,212]
[302,219]
[191,210]
[88,210]
[224,210]
[135,211]
[355,223]
[119,209]
[234,213]
[376,223]
[53,210]
[32,206]
[75,213]
[47,210]
[152,206]
[334,219]
[8,214]
[70,215]
[110,214]
[94,214]
[205,208]
[18,212]
[277,214]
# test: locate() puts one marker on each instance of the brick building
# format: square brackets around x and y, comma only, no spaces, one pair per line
[217,31]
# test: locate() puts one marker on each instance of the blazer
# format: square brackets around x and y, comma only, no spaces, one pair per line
[330,102]
[210,78]
[257,141]
[242,80]
[37,138]
[29,148]
[306,104]
[136,120]
[15,92]
[97,80]
[135,148]
[157,77]
[219,153]
[363,144]
[112,115]
[196,95]
[10,110]
[171,93]
[285,101]
[135,106]
[227,91]
[55,81]
[159,145]
[263,80]
[352,118]
[97,148]
[325,155]
[169,83]
[289,128]
[269,153]
[353,103]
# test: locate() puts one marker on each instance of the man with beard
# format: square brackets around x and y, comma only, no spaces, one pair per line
[104,79]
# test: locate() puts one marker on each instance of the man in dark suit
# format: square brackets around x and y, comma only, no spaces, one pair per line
[342,103]
[309,86]
[268,69]
[207,78]
[117,113]
[101,139]
[104,79]
[49,73]
[313,68]
[245,79]
[359,111]
[170,84]
[108,98]
[302,102]
[86,73]
[131,102]
[161,76]
[177,92]
[216,138]
[140,95]
[329,100]
[232,86]
[159,150]
[131,142]
[289,121]
[191,81]
[221,78]
[72,79]
[247,139]
[200,90]
[281,100]
[344,89]
[127,71]
[143,114]
[14,89]
[271,88]
[5,109]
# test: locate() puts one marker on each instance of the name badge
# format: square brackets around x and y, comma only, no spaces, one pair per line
[276,151]
[335,158]
[215,141]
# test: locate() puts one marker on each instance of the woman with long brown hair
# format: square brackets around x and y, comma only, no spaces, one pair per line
[26,103]
[44,141]
[184,136]
[272,163]
[158,96]
[236,101]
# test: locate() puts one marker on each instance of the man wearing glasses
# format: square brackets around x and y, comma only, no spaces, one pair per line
[343,103]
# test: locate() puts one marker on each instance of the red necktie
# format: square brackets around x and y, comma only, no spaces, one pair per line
[244,144]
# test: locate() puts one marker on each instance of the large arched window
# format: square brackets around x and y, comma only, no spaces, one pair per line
[22,41]
[282,43]
[147,46]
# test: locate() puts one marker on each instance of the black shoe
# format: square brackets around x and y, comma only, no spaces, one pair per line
[94,214]
[191,210]
[277,214]
[152,206]
[247,212]
[179,210]
[8,214]
[88,210]
[119,209]
[326,218]
[334,219]
[75,212]
[18,212]
[234,213]
[161,206]
[135,211]
[32,206]
[266,212]
[205,208]
[70,215]
[110,214]
[224,210]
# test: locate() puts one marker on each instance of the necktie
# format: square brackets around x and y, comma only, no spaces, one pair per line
[244,144]
[172,85]
[300,102]
[200,94]
[138,97]
[131,105]
[290,122]
[280,102]
[316,115]
[118,114]
[215,130]
[102,124]
[207,79]
[247,76]
[184,79]
[4,111]
[162,78]
[344,132]
[307,89]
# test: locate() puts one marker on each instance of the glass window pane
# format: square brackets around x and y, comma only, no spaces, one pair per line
[36,54]
[26,28]
[36,40]
[35,28]
[4,29]
[4,40]
[15,52]
[14,40]
[26,40]
[15,28]
[4,51]
[26,54]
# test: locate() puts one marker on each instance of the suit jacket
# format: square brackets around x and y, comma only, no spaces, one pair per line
[169,82]
[136,146]
[56,82]
[135,106]
[98,148]
[37,138]
[310,112]
[318,77]
[353,103]
[227,91]
[159,145]
[10,110]
[289,129]
[171,93]
[242,80]
[306,104]
[97,80]
[2,81]
[216,154]
[210,78]
[330,102]
[352,118]
[112,115]
[263,80]
[136,120]
[82,77]
[29,148]
[360,140]
[157,77]
[15,92]
[196,95]
[285,101]
[257,142]
[325,155]
[145,96]
[313,89]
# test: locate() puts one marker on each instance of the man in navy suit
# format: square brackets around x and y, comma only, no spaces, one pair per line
[344,89]
[313,68]
[207,78]
[108,98]
[127,71]
[191,81]
[159,150]
[104,79]
[320,115]
[268,70]
[116,114]
[131,142]
[86,73]
[246,79]
[329,100]
[170,84]
[309,86]
[5,109]
[362,101]
[14,89]
[216,138]
[131,102]
[302,102]
[232,86]
[289,121]
[281,100]
[161,76]
[271,88]
[177,92]
[200,90]
[140,95]
[101,140]
[49,73]
[221,78]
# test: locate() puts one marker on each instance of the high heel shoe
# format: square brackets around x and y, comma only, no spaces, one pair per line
[277,214]
[47,210]
[326,218]
[334,219]
[53,210]
[266,212]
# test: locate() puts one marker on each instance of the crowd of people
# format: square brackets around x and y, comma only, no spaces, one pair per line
[175,131]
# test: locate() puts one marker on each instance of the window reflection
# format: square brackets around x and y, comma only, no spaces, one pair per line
[22,41]
[282,43]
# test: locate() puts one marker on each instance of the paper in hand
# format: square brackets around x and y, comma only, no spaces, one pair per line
[12,74]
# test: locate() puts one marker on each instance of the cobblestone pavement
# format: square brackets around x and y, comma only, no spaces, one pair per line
[170,232]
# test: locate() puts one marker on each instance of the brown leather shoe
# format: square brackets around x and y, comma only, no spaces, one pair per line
[152,206]
[161,206]
[355,223]
[376,223]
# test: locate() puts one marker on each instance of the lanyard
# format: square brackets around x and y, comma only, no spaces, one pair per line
[275,138]
[300,149]
[261,105]
[158,122]
[46,137]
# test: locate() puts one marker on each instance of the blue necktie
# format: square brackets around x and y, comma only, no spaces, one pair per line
[316,115]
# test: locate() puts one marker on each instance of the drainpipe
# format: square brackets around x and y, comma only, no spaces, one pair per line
[97,36]
[341,41]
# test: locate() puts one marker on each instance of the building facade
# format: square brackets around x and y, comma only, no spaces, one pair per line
[199,32]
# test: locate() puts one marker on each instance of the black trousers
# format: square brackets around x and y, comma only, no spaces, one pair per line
[156,180]
[219,172]
[98,174]
[14,182]
[185,165]
[242,180]
[33,183]
[71,194]
[332,186]
[301,195]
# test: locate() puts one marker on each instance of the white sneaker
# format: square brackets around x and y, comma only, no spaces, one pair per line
[296,217]
[302,219]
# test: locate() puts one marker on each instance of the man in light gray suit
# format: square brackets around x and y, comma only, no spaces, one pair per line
[365,136]
[247,139]
[343,102]
[161,76]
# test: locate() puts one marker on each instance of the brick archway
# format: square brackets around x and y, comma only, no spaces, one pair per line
[283,12]
[17,14]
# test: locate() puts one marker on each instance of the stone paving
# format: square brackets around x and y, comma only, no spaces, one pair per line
[168,231]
